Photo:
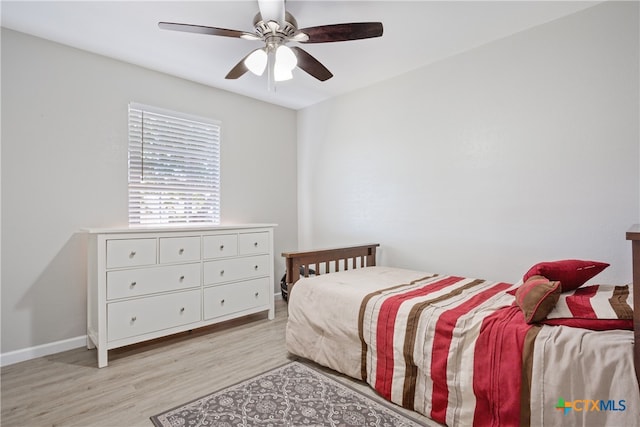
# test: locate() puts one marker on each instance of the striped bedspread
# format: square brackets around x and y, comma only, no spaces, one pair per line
[448,347]
[458,351]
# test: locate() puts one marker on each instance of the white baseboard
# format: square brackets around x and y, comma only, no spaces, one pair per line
[29,353]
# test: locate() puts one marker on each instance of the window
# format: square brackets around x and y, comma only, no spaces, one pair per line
[174,168]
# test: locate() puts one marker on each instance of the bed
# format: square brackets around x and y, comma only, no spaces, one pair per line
[466,351]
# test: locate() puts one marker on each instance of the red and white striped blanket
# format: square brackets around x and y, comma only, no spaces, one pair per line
[448,347]
[458,350]
[595,307]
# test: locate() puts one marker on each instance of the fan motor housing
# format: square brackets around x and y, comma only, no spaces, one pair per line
[285,29]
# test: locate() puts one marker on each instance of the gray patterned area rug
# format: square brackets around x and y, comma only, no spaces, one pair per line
[293,395]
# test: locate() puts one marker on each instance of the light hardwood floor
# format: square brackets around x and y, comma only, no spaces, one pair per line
[67,389]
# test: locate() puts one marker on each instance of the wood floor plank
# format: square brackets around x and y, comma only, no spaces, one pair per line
[68,389]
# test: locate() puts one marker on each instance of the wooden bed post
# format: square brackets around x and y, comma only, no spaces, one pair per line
[371,256]
[634,235]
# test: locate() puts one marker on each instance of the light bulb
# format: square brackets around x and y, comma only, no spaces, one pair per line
[256,62]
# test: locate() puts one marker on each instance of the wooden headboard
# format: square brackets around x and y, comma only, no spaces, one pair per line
[634,235]
[321,261]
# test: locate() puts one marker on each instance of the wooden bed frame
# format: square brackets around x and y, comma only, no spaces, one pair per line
[297,262]
[322,259]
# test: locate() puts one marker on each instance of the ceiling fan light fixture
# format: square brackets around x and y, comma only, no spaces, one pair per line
[281,74]
[276,27]
[286,58]
[286,61]
[256,62]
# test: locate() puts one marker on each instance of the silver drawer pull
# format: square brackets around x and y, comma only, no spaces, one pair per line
[255,267]
[222,272]
[133,319]
[255,244]
[257,293]
[181,251]
[181,310]
[182,278]
[221,247]
[133,285]
[222,301]
[132,254]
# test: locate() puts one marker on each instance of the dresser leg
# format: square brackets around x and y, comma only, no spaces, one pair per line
[271,314]
[102,358]
[90,344]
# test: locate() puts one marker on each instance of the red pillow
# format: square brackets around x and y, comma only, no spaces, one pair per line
[536,297]
[572,273]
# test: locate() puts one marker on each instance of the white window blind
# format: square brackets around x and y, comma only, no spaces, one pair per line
[174,167]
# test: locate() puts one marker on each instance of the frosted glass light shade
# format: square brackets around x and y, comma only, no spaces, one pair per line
[281,74]
[286,61]
[256,62]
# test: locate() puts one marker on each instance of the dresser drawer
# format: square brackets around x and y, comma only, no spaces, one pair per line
[141,316]
[179,249]
[131,252]
[220,246]
[228,270]
[253,243]
[143,281]
[233,297]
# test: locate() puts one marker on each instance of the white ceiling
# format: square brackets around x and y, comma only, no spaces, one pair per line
[416,33]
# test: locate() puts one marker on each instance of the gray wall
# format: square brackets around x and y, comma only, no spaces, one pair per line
[64,167]
[522,150]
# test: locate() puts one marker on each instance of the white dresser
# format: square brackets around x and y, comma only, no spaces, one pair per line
[147,283]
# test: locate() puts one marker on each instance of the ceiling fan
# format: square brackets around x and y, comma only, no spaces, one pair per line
[276,27]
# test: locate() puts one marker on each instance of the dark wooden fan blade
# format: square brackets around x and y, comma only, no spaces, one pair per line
[201,29]
[238,70]
[311,65]
[343,32]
